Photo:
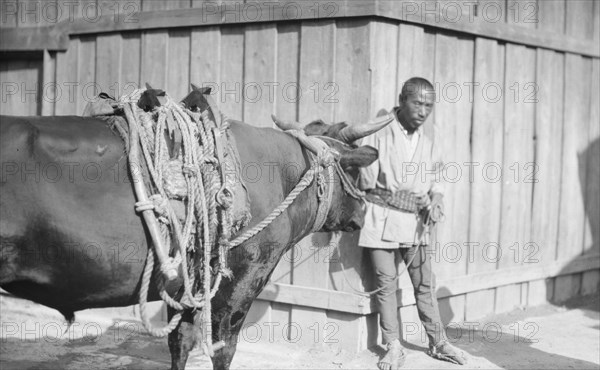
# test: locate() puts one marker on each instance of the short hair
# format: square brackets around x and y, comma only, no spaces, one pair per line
[415,84]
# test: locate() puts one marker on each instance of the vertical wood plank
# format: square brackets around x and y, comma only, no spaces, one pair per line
[352,59]
[288,70]
[411,327]
[281,320]
[260,71]
[383,65]
[540,292]
[508,297]
[317,71]
[178,64]
[453,73]
[13,78]
[48,86]
[575,140]
[86,80]
[415,54]
[416,58]
[596,12]
[66,79]
[347,332]
[592,157]
[486,149]
[552,16]
[130,63]
[108,63]
[548,132]
[130,55]
[232,71]
[286,107]
[479,304]
[580,18]
[154,54]
[519,117]
[154,58]
[205,57]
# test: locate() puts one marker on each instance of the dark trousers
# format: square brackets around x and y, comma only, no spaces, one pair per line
[423,281]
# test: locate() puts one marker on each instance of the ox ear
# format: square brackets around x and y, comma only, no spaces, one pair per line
[202,90]
[359,157]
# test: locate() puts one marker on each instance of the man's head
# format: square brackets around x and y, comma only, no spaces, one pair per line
[416,102]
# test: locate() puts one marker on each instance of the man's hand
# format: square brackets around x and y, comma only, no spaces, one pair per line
[423,200]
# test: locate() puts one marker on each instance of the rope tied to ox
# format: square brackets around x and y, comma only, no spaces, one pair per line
[206,222]
[207,198]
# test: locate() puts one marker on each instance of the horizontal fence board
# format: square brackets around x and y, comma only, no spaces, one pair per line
[353,303]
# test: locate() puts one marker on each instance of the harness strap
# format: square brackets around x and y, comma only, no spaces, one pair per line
[324,184]
[325,158]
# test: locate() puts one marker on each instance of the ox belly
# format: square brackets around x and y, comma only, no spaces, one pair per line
[69,236]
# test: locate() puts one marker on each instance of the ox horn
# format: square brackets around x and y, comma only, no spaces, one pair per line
[287,125]
[352,133]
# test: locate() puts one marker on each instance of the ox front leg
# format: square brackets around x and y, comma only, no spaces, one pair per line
[182,339]
[226,328]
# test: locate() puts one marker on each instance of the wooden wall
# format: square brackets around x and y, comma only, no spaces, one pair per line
[522,229]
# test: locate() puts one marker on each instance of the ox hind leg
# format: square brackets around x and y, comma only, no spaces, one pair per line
[182,339]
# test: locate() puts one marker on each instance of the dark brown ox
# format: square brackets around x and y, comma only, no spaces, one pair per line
[70,238]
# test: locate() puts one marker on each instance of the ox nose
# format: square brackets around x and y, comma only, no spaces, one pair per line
[356,223]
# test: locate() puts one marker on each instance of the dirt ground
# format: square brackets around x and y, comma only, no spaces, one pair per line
[546,337]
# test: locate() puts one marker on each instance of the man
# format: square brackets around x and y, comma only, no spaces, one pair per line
[401,192]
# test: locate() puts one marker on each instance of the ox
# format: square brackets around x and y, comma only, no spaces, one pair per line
[70,239]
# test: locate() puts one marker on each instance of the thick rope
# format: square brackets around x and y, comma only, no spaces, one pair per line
[203,214]
[304,182]
[208,217]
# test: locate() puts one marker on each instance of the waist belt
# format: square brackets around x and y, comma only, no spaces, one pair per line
[403,200]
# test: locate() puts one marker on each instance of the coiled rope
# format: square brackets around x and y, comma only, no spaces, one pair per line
[208,214]
[199,228]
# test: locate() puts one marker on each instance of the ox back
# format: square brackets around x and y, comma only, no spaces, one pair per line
[70,238]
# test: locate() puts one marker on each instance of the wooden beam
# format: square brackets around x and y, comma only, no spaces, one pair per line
[212,13]
[352,303]
[33,38]
[449,18]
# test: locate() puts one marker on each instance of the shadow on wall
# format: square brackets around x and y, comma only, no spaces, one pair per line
[537,341]
[562,289]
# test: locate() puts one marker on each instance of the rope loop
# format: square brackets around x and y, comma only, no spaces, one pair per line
[190,169]
[224,197]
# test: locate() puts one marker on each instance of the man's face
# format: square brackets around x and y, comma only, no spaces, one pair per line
[416,107]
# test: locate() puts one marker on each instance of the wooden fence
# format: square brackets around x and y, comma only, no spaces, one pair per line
[517,119]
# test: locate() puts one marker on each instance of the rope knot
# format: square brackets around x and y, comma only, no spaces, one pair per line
[190,170]
[320,185]
[328,157]
[169,264]
[224,197]
[156,203]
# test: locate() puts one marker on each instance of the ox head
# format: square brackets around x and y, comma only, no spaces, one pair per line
[347,210]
